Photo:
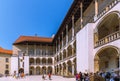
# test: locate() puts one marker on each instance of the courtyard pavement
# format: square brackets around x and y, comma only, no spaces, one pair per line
[37,78]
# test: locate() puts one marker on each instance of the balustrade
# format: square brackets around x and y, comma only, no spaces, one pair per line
[107,6]
[107,39]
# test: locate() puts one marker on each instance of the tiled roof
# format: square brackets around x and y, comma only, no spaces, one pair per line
[5,51]
[33,39]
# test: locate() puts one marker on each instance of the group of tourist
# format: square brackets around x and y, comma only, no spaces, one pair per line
[98,76]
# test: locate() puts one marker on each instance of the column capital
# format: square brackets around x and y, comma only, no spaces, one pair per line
[72,17]
[66,25]
[81,4]
[62,33]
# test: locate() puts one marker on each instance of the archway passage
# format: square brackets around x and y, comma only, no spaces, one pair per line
[44,70]
[106,60]
[38,61]
[69,63]
[109,25]
[32,61]
[44,61]
[7,72]
[21,70]
[50,61]
[32,70]
[37,70]
[64,69]
[50,69]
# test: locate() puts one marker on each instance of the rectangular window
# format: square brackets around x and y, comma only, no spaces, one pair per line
[7,66]
[7,60]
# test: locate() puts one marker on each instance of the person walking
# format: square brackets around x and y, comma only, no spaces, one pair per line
[76,76]
[49,75]
[43,77]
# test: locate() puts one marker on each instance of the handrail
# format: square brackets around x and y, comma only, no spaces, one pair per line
[108,38]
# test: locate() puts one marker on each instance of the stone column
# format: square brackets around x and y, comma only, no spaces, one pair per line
[46,50]
[73,30]
[73,69]
[95,37]
[81,14]
[62,70]
[56,46]
[34,70]
[66,53]
[72,49]
[62,55]
[119,61]
[46,61]
[66,69]
[41,49]
[66,34]
[96,9]
[46,70]
[62,40]
[34,50]
[26,54]
[34,61]
[59,42]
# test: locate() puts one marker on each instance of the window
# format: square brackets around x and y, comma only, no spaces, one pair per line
[7,66]
[7,60]
[6,72]
[31,52]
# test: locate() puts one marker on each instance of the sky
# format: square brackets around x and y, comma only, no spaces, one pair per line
[30,17]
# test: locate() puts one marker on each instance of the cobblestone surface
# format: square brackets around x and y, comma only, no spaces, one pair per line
[37,78]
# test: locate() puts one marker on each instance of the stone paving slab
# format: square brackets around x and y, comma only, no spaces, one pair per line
[37,78]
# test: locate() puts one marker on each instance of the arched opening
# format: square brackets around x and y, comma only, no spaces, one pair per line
[50,61]
[64,69]
[60,69]
[60,56]
[44,61]
[57,70]
[69,51]
[74,44]
[69,68]
[57,58]
[64,54]
[32,61]
[109,25]
[38,61]
[21,70]
[44,70]
[106,59]
[50,69]
[32,71]
[7,72]
[37,70]
[75,69]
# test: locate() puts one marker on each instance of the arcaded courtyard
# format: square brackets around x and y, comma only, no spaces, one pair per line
[37,78]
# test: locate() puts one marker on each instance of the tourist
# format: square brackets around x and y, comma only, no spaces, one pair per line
[14,75]
[81,77]
[49,75]
[86,77]
[91,76]
[43,77]
[107,76]
[76,76]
